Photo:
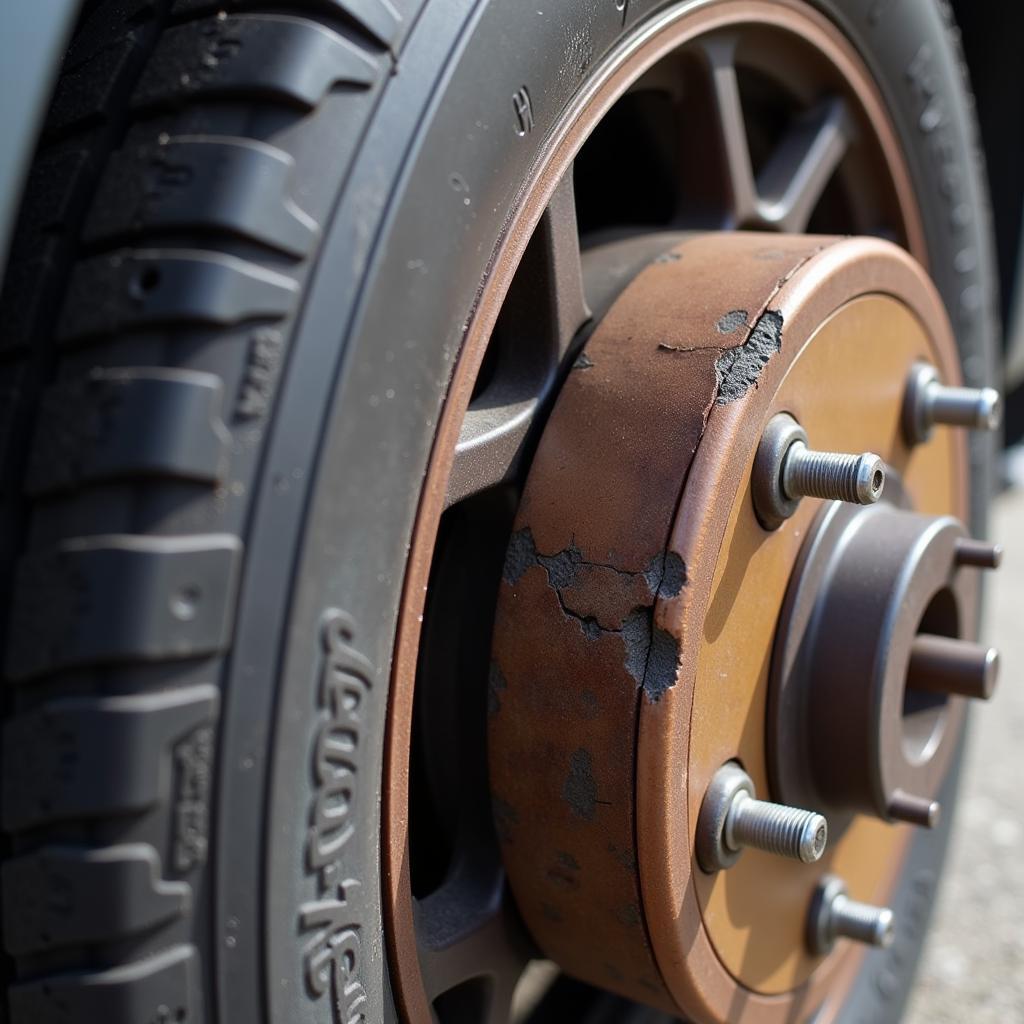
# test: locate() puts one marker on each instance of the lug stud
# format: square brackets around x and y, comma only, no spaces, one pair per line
[914,810]
[834,915]
[979,554]
[855,478]
[786,469]
[941,664]
[928,402]
[731,818]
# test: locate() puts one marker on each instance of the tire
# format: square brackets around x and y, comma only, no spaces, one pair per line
[248,247]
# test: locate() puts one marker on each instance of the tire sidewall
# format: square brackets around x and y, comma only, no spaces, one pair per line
[413,235]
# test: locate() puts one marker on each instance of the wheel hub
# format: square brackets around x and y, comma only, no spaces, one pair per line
[873,592]
[643,596]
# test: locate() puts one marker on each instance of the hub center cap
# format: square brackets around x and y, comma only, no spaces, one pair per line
[869,652]
[644,594]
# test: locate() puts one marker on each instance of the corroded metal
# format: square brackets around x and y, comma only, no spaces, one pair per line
[637,503]
[576,646]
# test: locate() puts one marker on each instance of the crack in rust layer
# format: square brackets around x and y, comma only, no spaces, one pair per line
[581,587]
[739,368]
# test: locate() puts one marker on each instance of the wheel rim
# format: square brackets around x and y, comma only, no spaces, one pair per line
[443,944]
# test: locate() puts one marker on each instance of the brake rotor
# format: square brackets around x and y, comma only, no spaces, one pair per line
[643,597]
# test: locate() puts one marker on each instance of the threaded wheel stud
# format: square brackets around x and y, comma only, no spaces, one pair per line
[732,818]
[775,828]
[834,476]
[787,469]
[929,402]
[834,915]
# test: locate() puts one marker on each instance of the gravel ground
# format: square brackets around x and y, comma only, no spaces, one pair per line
[973,967]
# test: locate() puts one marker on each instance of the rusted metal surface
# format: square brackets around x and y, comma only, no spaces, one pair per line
[576,647]
[841,363]
[674,28]
[619,695]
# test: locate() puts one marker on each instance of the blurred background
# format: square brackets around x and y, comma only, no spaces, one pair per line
[973,966]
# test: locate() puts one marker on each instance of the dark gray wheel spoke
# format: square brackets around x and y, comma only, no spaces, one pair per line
[542,317]
[733,149]
[465,934]
[564,270]
[793,180]
[489,445]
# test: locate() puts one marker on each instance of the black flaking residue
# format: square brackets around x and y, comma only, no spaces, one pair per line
[562,566]
[580,789]
[496,683]
[505,818]
[520,556]
[636,634]
[666,575]
[738,368]
[628,915]
[731,321]
[624,857]
[567,860]
[662,661]
[652,654]
[562,878]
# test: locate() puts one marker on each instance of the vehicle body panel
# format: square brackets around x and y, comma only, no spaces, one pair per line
[33,34]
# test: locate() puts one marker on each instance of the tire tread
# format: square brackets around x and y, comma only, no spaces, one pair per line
[152,287]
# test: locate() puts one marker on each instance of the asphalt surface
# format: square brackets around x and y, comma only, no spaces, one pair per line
[973,967]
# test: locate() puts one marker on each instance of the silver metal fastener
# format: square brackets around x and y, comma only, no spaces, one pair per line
[731,818]
[928,402]
[914,810]
[786,469]
[834,915]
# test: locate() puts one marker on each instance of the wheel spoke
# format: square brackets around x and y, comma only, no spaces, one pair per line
[489,445]
[543,313]
[560,246]
[733,149]
[793,180]
[465,932]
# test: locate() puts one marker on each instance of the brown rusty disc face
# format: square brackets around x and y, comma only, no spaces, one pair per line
[640,601]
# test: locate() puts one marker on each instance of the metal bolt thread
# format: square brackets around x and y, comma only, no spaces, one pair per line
[775,828]
[975,408]
[832,475]
[861,922]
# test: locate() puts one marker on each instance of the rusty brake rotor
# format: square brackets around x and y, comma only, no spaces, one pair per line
[643,597]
